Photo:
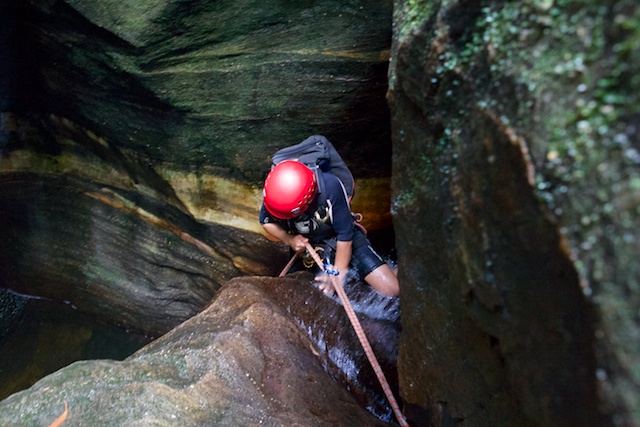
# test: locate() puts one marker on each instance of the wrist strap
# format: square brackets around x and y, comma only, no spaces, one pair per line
[329,269]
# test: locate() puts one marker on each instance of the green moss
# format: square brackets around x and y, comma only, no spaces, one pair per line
[408,196]
[411,15]
[561,74]
[573,69]
[581,79]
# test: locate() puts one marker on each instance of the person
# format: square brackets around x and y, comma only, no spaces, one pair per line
[295,212]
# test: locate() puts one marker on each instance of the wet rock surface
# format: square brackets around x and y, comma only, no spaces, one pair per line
[333,336]
[243,361]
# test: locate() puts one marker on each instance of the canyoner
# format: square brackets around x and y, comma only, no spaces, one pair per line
[306,199]
[306,204]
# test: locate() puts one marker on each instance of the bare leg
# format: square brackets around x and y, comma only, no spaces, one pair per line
[383,280]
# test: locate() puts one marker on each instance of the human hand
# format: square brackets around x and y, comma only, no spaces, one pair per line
[325,279]
[297,242]
[325,283]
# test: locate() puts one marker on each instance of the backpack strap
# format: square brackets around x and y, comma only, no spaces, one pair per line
[319,178]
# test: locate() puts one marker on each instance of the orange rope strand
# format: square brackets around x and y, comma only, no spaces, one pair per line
[288,266]
[363,340]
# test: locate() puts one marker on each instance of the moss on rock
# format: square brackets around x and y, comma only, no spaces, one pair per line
[557,80]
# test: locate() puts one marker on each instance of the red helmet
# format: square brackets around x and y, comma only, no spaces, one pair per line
[289,189]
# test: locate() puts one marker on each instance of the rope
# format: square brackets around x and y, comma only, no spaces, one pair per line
[289,264]
[363,339]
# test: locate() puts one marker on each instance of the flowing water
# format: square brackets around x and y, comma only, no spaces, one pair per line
[344,357]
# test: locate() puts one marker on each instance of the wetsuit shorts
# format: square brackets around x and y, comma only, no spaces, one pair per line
[363,257]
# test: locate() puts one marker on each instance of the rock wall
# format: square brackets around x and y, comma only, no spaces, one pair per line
[137,134]
[141,131]
[201,94]
[515,195]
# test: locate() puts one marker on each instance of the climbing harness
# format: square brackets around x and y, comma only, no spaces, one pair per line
[307,259]
[361,336]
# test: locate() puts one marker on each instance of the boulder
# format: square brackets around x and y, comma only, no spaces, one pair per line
[244,360]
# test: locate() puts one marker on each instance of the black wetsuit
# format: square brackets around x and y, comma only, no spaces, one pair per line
[327,220]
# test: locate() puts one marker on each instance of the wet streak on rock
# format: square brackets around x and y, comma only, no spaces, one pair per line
[334,339]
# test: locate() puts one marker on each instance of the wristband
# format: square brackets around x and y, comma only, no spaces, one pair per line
[330,270]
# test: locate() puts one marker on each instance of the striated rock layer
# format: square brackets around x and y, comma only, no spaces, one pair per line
[201,93]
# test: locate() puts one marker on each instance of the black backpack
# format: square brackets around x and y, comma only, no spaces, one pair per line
[320,156]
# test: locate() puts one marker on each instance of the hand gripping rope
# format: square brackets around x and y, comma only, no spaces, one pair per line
[361,336]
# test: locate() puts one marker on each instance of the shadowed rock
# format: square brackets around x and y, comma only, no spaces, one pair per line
[128,259]
[504,192]
[202,94]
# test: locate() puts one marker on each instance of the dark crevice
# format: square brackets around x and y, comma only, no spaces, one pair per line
[461,20]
